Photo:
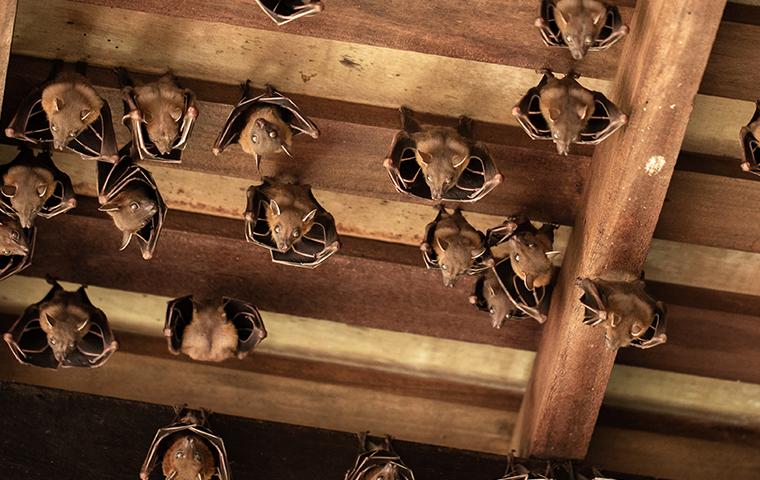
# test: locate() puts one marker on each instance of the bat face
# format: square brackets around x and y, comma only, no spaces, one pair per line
[530,260]
[567,107]
[455,257]
[288,225]
[188,458]
[387,472]
[13,241]
[499,305]
[71,105]
[162,104]
[210,337]
[442,154]
[163,127]
[65,319]
[579,22]
[629,317]
[28,188]
[266,133]
[132,208]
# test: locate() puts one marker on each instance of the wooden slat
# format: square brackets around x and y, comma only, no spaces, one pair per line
[7,21]
[82,246]
[614,227]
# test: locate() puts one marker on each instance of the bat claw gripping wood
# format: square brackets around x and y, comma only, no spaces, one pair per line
[285,11]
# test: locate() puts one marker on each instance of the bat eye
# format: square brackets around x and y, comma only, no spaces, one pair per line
[15,235]
[72,134]
[180,455]
[52,341]
[430,178]
[273,134]
[6,252]
[447,181]
[556,136]
[53,128]
[134,206]
[517,257]
[588,40]
[491,310]
[197,457]
[255,138]
[444,267]
[531,245]
[277,229]
[296,233]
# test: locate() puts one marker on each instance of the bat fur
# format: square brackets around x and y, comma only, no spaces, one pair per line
[210,337]
[162,104]
[265,134]
[28,189]
[290,213]
[65,319]
[188,458]
[442,154]
[580,22]
[456,244]
[567,107]
[12,238]
[71,105]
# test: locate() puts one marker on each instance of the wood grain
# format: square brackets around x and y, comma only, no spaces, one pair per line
[627,185]
[7,22]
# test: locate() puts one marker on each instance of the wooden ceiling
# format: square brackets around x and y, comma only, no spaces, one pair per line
[372,340]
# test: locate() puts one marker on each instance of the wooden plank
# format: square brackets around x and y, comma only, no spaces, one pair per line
[614,227]
[7,22]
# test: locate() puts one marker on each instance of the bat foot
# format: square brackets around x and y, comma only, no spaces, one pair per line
[9,132]
[192,112]
[425,247]
[624,118]
[516,111]
[625,30]
[473,299]
[388,163]
[746,166]
[147,255]
[8,337]
[539,22]
[498,178]
[72,202]
[216,151]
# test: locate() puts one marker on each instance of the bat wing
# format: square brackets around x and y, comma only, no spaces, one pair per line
[528,113]
[478,298]
[298,121]
[478,179]
[284,11]
[13,264]
[378,458]
[593,300]
[750,145]
[605,121]
[112,179]
[316,246]
[655,334]
[97,346]
[531,303]
[141,142]
[613,30]
[248,323]
[403,168]
[62,199]
[179,314]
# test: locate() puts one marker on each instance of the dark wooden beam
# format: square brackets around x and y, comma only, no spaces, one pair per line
[356,138]
[627,185]
[7,20]
[360,286]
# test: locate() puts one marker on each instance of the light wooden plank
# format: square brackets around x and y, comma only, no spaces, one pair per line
[7,22]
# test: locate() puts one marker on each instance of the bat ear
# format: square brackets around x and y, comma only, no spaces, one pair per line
[491,290]
[599,16]
[560,15]
[82,325]
[41,190]
[553,254]
[8,190]
[86,112]
[637,329]
[260,123]
[583,112]
[529,281]
[48,319]
[275,207]
[58,104]
[108,207]
[176,114]
[423,157]
[147,117]
[460,162]
[125,238]
[442,244]
[309,216]
[478,252]
[554,114]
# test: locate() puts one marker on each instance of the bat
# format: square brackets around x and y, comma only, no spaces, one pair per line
[130,196]
[264,125]
[160,115]
[378,462]
[454,247]
[489,296]
[749,135]
[211,331]
[64,329]
[66,112]
[628,314]
[516,471]
[33,185]
[560,110]
[187,449]
[529,250]
[440,163]
[16,246]
[288,221]
[580,25]
[284,11]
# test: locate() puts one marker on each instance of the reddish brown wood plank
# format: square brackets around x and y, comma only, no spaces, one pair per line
[614,227]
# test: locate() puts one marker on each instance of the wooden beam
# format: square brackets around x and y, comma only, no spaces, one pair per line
[627,185]
[7,21]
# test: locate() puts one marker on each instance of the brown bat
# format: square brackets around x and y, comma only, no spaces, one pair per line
[456,245]
[188,458]
[71,105]
[290,213]
[442,154]
[210,336]
[65,319]
[13,240]
[628,314]
[529,250]
[131,209]
[500,307]
[580,22]
[265,134]
[378,462]
[28,188]
[567,107]
[162,104]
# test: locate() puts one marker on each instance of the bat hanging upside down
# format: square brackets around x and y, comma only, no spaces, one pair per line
[28,188]
[456,244]
[162,104]
[65,319]
[188,458]
[131,209]
[71,105]
[567,107]
[580,22]
[210,336]
[290,213]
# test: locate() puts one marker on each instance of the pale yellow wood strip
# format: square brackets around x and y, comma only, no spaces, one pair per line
[7,21]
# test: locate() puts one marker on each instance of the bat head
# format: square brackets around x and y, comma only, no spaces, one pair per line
[530,260]
[163,127]
[441,166]
[389,471]
[68,118]
[628,318]
[567,108]
[65,320]
[28,188]
[12,238]
[188,458]
[579,26]
[288,225]
[269,138]
[499,305]
[455,257]
[131,208]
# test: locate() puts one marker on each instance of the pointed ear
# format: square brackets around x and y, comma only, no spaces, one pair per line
[442,244]
[599,16]
[275,207]
[423,157]
[477,252]
[108,207]
[584,112]
[41,190]
[554,114]
[125,238]
[461,161]
[49,320]
[637,328]
[82,325]
[553,254]
[58,104]
[309,216]
[491,291]
[8,190]
[529,280]
[147,117]
[176,114]
[560,15]
[86,112]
